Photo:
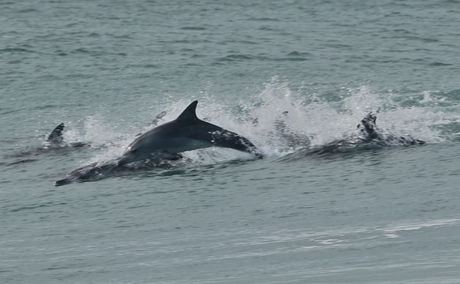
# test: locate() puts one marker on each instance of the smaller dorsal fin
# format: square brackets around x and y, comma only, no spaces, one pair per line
[189,113]
[56,134]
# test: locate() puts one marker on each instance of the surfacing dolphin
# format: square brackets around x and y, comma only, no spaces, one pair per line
[54,143]
[187,132]
[165,143]
[56,139]
[369,136]
[371,133]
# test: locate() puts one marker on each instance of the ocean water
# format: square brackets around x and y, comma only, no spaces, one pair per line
[107,68]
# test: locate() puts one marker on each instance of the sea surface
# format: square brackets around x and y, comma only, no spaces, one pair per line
[106,69]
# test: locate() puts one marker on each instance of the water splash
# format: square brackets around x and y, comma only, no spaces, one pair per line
[280,121]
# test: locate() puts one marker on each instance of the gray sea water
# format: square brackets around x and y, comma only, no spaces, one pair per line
[107,68]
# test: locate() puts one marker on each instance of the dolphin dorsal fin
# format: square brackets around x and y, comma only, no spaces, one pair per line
[189,114]
[56,134]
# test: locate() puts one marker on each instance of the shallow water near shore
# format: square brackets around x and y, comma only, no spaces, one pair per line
[106,69]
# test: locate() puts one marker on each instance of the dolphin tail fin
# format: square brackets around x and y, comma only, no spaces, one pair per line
[56,134]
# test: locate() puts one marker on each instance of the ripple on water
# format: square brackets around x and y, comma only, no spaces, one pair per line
[37,206]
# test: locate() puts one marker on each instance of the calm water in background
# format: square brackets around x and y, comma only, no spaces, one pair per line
[106,68]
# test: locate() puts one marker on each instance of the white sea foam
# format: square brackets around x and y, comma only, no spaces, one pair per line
[396,228]
[267,116]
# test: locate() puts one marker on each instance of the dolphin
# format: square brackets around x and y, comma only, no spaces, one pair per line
[54,143]
[368,136]
[369,132]
[164,144]
[187,132]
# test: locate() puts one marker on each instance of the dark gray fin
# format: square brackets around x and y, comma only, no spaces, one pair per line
[56,135]
[368,127]
[189,114]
